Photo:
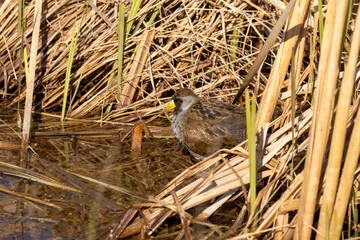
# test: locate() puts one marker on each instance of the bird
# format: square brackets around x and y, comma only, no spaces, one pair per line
[204,126]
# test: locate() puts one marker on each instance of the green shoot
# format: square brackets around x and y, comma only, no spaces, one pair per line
[321,22]
[74,40]
[121,40]
[251,132]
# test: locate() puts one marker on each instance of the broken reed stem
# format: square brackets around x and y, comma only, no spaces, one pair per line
[30,83]
[133,77]
[339,133]
[265,49]
[329,70]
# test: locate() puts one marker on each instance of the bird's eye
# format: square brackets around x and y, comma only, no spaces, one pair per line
[178,100]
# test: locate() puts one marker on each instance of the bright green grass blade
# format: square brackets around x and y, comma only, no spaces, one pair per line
[112,75]
[68,72]
[73,99]
[152,18]
[348,16]
[334,231]
[321,22]
[312,78]
[134,9]
[293,109]
[74,40]
[121,42]
[327,222]
[251,132]
[234,42]
[155,13]
[293,98]
[140,22]
[253,160]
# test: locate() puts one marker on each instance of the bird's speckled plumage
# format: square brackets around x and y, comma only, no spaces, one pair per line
[204,126]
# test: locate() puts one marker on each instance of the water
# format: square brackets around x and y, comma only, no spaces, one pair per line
[99,155]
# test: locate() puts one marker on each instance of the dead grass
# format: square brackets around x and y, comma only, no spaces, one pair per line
[210,46]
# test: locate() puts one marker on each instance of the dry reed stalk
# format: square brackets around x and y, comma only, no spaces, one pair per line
[30,198]
[191,48]
[133,78]
[324,101]
[31,81]
[313,52]
[205,214]
[10,145]
[13,170]
[277,76]
[221,181]
[184,221]
[136,139]
[277,3]
[352,155]
[290,193]
[346,182]
[296,66]
[69,178]
[97,51]
[339,132]
[281,220]
[264,50]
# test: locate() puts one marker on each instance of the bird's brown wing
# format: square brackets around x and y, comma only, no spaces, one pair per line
[204,138]
[210,124]
[235,125]
[230,119]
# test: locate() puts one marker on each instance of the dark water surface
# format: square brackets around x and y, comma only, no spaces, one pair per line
[102,158]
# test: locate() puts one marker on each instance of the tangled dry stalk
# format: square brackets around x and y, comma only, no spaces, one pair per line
[209,46]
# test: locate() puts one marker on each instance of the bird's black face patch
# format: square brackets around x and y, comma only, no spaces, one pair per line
[178,101]
[183,103]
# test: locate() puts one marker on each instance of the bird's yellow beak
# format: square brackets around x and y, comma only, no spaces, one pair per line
[170,106]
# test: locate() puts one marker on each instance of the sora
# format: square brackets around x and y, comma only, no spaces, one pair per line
[204,126]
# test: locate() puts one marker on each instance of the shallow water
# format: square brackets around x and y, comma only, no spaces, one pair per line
[100,157]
